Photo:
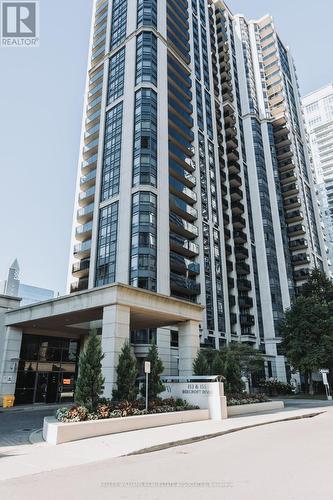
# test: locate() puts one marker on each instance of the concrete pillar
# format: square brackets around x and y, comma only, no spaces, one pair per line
[115,332]
[9,361]
[189,344]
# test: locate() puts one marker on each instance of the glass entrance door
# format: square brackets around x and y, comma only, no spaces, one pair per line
[46,387]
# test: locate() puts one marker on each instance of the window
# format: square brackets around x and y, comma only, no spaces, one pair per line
[107,245]
[143,270]
[145,138]
[116,76]
[146,58]
[118,23]
[147,13]
[112,152]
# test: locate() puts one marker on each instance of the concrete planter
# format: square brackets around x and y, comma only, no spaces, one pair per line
[254,408]
[55,432]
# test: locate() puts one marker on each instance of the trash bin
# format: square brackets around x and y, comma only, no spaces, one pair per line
[8,401]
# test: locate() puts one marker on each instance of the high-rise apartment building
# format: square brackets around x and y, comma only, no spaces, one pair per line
[318,111]
[194,178]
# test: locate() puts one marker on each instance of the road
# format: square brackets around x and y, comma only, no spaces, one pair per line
[283,461]
[16,426]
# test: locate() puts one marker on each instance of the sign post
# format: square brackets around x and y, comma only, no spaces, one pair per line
[147,371]
[324,373]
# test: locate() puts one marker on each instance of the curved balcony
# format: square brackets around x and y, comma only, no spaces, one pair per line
[296,230]
[240,238]
[242,268]
[85,214]
[300,259]
[182,265]
[182,227]
[294,216]
[241,253]
[244,285]
[80,285]
[86,197]
[185,286]
[84,232]
[82,250]
[290,189]
[88,180]
[81,268]
[181,191]
[245,302]
[238,222]
[183,246]
[236,194]
[246,320]
[299,244]
[183,209]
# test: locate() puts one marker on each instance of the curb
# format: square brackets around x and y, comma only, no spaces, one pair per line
[205,437]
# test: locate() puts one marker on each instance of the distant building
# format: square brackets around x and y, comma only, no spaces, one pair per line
[318,112]
[12,287]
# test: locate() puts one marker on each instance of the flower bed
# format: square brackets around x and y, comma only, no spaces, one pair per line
[246,399]
[109,409]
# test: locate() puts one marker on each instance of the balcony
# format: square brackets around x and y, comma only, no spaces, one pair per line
[81,268]
[88,180]
[286,177]
[226,219]
[85,214]
[182,246]
[184,286]
[299,244]
[237,207]
[238,222]
[182,227]
[82,250]
[234,167]
[290,203]
[181,174]
[89,165]
[244,285]
[245,302]
[232,155]
[290,189]
[294,216]
[236,194]
[301,274]
[227,234]
[84,232]
[296,230]
[86,197]
[80,285]
[235,180]
[182,265]
[246,320]
[183,209]
[242,269]
[230,266]
[241,253]
[300,258]
[284,153]
[240,238]
[181,191]
[285,166]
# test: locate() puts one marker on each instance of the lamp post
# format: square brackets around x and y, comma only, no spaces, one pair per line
[147,371]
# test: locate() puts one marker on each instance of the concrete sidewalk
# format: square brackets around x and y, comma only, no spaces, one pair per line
[42,457]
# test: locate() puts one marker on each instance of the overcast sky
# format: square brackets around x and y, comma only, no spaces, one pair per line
[41,98]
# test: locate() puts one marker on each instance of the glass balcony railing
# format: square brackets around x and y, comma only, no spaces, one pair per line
[82,248]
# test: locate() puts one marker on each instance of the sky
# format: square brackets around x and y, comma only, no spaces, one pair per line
[41,101]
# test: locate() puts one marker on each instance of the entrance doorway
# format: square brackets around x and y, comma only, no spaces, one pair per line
[47,370]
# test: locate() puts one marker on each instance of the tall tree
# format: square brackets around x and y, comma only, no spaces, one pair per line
[318,286]
[232,372]
[307,334]
[127,373]
[155,385]
[217,365]
[89,385]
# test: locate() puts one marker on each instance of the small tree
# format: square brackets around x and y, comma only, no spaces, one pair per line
[307,336]
[200,364]
[155,385]
[89,385]
[127,373]
[217,365]
[232,372]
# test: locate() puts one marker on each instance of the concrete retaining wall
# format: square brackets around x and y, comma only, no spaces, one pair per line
[254,408]
[55,432]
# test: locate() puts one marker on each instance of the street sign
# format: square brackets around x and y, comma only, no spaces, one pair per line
[147,366]
[324,370]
